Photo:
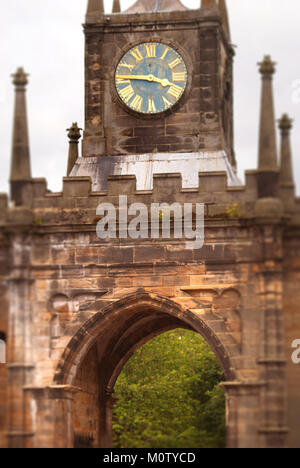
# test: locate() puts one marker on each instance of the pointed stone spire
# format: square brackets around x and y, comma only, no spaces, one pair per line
[286,177]
[116,6]
[95,10]
[268,203]
[208,3]
[286,169]
[94,7]
[267,135]
[20,161]
[267,138]
[143,6]
[74,136]
[224,17]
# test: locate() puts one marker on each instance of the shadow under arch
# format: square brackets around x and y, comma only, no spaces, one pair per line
[124,326]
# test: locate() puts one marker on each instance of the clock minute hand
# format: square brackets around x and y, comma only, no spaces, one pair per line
[133,77]
[164,82]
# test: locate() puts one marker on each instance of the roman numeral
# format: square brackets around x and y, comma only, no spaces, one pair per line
[179,77]
[151,106]
[151,50]
[165,53]
[175,63]
[127,65]
[137,55]
[126,93]
[137,103]
[122,81]
[175,91]
[166,103]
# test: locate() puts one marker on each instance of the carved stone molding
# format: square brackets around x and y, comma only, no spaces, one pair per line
[225,304]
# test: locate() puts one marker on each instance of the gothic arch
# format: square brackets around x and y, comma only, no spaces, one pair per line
[128,323]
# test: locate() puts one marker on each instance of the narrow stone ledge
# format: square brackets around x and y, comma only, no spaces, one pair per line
[53,392]
[272,360]
[243,384]
[274,430]
[20,434]
[20,365]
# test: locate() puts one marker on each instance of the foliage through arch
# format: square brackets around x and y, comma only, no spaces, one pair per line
[169,395]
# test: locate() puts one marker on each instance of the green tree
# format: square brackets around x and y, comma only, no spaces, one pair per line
[169,395]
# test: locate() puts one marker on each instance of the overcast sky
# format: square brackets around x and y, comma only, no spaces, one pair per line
[46,38]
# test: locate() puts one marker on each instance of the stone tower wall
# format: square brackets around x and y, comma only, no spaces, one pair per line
[202,121]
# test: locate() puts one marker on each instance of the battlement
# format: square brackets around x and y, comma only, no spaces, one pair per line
[77,203]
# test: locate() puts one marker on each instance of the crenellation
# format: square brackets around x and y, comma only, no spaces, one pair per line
[78,204]
[121,185]
[213,182]
[251,184]
[76,186]
[39,187]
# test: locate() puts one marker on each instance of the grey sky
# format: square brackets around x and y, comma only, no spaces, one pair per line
[46,38]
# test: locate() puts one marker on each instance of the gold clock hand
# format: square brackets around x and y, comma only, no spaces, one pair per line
[134,77]
[164,82]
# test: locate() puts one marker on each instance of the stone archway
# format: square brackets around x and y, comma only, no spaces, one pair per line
[110,337]
[127,312]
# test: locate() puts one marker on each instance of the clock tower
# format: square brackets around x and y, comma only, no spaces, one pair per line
[158,88]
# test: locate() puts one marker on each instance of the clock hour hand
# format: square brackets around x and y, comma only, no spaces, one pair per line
[164,82]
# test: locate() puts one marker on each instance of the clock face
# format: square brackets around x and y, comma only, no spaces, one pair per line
[151,78]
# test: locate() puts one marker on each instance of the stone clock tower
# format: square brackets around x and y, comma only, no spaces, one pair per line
[189,127]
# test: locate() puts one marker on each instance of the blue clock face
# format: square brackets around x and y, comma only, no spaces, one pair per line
[151,78]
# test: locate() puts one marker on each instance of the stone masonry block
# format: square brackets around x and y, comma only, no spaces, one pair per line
[212,181]
[121,185]
[166,184]
[76,186]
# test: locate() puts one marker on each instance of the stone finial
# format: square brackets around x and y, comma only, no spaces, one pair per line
[20,78]
[286,166]
[267,67]
[95,6]
[116,6]
[285,124]
[20,173]
[74,134]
